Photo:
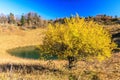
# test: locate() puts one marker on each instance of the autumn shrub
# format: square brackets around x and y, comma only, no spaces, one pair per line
[77,39]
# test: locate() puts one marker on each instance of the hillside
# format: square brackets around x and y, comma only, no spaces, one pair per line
[115,31]
[14,37]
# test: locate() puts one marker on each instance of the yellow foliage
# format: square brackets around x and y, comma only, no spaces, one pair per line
[77,38]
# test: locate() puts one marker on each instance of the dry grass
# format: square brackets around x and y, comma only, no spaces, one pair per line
[19,76]
[106,70]
[113,28]
[14,37]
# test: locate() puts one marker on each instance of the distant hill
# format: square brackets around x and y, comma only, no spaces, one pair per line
[100,19]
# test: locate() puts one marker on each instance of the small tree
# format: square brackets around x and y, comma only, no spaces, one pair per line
[11,18]
[22,20]
[3,19]
[76,39]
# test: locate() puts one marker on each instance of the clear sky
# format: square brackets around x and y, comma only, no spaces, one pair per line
[51,9]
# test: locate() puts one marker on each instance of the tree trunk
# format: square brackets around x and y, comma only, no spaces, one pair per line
[71,62]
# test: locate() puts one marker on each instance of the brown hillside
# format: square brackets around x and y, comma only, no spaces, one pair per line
[14,37]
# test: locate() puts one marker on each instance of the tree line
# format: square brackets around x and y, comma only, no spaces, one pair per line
[29,20]
[33,20]
[104,19]
[100,19]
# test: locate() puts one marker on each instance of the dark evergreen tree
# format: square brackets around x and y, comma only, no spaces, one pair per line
[22,20]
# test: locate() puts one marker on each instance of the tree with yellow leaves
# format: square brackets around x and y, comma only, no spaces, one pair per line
[77,39]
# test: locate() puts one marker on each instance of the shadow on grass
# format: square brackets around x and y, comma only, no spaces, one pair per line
[30,52]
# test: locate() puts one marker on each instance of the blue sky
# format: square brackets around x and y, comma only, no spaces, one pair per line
[52,9]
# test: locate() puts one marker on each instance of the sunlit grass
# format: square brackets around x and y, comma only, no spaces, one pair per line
[24,42]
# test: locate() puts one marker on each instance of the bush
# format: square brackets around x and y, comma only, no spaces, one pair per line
[77,38]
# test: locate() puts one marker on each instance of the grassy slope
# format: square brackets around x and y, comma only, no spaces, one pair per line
[14,37]
[108,70]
